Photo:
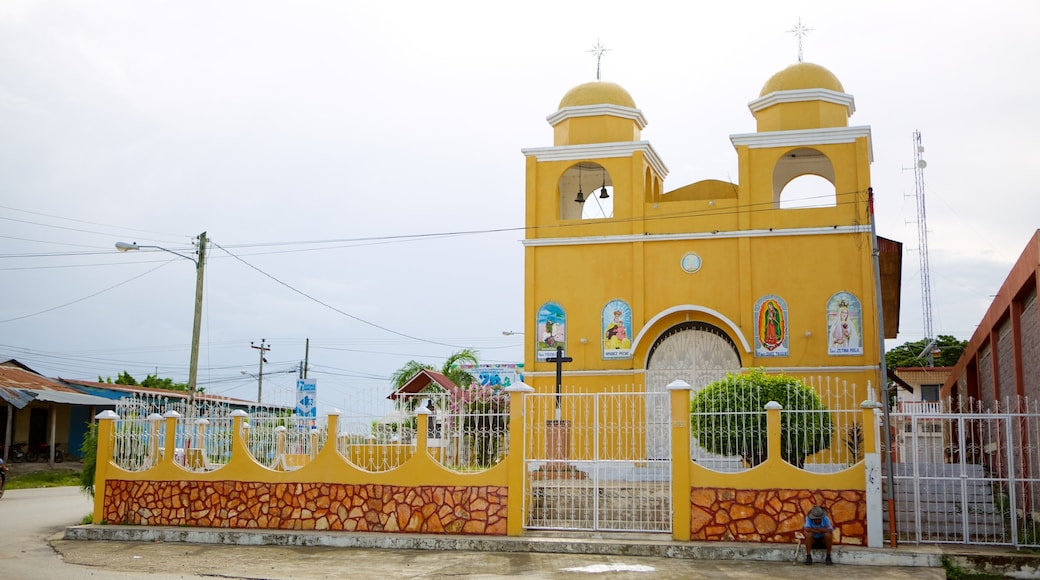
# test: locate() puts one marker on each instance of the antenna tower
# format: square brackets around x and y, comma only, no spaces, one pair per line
[922,240]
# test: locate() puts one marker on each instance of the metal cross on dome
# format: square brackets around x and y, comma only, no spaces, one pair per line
[800,31]
[598,51]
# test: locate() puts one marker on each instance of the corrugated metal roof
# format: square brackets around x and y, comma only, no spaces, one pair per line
[16,397]
[18,378]
[68,398]
[114,391]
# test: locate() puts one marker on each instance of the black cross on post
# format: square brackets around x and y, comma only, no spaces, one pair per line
[559,359]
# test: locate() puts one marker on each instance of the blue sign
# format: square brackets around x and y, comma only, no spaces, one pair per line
[306,398]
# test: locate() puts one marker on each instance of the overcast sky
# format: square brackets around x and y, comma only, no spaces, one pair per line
[307,137]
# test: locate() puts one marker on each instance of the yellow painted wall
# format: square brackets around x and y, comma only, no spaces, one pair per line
[748,246]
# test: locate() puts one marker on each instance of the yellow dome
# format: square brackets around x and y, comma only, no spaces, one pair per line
[803,75]
[598,93]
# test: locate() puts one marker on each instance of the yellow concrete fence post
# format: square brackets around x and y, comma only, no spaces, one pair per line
[195,457]
[422,423]
[679,391]
[105,440]
[171,417]
[515,460]
[332,428]
[240,435]
[154,453]
[279,449]
[870,431]
[773,431]
[313,451]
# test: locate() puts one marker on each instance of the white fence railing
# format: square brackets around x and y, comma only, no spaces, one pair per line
[970,477]
[467,432]
[821,432]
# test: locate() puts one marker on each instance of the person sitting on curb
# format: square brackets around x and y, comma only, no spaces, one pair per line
[821,533]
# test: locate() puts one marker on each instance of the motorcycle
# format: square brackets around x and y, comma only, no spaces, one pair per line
[17,452]
[43,451]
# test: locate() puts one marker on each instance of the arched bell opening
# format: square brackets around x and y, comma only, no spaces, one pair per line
[586,192]
[804,178]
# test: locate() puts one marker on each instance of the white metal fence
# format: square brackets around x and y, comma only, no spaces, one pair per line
[970,477]
[822,434]
[592,462]
[467,432]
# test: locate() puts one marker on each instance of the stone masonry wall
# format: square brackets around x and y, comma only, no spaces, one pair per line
[308,506]
[774,515]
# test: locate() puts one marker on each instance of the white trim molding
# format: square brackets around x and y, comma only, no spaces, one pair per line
[692,308]
[716,235]
[803,95]
[804,138]
[586,373]
[600,150]
[642,371]
[596,111]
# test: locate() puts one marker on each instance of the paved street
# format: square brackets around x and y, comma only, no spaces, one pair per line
[32,516]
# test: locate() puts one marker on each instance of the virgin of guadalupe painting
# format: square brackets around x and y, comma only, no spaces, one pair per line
[771,326]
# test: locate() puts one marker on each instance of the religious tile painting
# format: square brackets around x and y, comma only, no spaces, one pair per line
[771,335]
[617,330]
[844,325]
[551,325]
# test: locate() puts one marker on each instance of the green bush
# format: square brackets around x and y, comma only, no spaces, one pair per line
[89,453]
[728,417]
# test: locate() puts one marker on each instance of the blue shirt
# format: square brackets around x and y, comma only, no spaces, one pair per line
[823,522]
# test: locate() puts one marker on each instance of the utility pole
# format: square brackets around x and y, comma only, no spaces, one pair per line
[260,375]
[193,365]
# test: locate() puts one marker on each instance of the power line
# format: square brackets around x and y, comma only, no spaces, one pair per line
[333,308]
[99,292]
[337,243]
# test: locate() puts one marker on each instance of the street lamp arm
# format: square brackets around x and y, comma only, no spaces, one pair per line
[131,246]
[200,268]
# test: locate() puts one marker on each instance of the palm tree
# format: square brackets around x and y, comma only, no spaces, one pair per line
[405,373]
[451,369]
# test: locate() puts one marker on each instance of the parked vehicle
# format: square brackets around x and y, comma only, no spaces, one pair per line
[42,451]
[17,454]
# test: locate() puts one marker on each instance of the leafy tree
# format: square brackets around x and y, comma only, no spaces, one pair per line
[451,369]
[911,354]
[149,382]
[729,418]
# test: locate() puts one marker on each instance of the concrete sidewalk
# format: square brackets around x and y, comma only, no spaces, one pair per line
[996,561]
[651,545]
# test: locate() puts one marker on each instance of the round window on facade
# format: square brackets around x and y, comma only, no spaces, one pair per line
[690,263]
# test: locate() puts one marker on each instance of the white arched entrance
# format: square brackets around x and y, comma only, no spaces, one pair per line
[695,352]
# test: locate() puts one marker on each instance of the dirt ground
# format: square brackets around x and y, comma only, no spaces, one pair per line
[16,469]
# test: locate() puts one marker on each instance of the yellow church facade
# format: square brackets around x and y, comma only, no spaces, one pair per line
[639,285]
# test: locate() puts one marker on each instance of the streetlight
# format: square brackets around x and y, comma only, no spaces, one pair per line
[510,332]
[200,266]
